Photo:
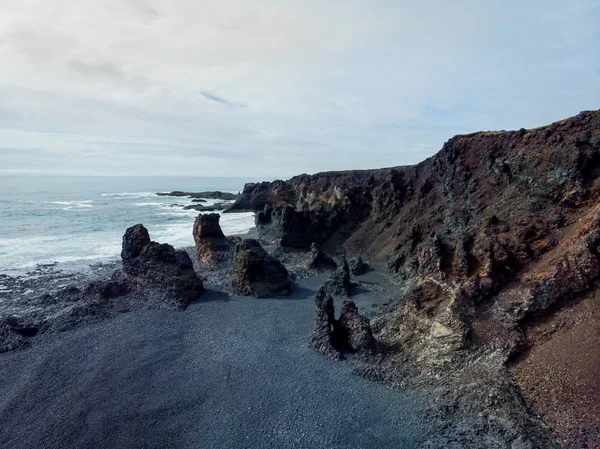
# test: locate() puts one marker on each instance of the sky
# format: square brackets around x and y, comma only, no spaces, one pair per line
[277,88]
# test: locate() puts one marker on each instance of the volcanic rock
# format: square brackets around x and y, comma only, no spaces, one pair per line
[488,238]
[359,337]
[319,260]
[136,238]
[322,335]
[215,195]
[212,246]
[200,208]
[357,266]
[160,265]
[340,282]
[256,273]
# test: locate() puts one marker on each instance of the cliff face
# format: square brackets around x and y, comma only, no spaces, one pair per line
[481,192]
[496,239]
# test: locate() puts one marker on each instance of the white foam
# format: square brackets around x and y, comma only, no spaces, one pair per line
[76,202]
[147,204]
[130,195]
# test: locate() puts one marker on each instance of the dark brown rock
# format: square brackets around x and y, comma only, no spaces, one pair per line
[340,281]
[256,273]
[160,265]
[359,337]
[134,241]
[322,335]
[212,246]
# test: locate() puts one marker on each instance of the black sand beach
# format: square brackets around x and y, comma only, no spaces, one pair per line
[226,372]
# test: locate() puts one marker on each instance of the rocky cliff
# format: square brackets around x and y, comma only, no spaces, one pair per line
[496,239]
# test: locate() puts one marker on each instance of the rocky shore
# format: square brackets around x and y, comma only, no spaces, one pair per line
[479,294]
[495,241]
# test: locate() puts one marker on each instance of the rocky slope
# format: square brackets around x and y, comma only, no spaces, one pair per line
[496,240]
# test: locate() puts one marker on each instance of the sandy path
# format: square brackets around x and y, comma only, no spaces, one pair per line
[223,373]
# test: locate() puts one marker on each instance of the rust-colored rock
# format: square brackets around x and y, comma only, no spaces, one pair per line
[212,247]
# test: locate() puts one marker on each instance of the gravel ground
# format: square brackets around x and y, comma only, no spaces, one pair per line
[226,372]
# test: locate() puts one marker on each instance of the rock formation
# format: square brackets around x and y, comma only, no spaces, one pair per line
[256,273]
[322,339]
[216,195]
[340,281]
[357,266]
[212,246]
[358,334]
[200,208]
[494,240]
[320,260]
[159,265]
[351,332]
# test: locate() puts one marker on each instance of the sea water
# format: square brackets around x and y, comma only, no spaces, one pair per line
[60,219]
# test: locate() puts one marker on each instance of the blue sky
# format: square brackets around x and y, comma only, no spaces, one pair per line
[276,88]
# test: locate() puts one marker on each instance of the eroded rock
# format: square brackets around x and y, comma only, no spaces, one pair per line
[352,332]
[322,336]
[256,273]
[320,260]
[340,281]
[359,337]
[159,266]
[212,246]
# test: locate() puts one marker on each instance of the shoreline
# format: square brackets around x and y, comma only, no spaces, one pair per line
[377,291]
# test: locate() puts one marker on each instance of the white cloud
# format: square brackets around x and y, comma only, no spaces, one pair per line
[275,88]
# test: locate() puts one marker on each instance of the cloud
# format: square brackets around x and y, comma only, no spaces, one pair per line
[217,99]
[272,88]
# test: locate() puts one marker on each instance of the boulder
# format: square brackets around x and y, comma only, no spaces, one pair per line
[256,273]
[134,241]
[160,266]
[322,335]
[357,266]
[212,246]
[359,337]
[340,282]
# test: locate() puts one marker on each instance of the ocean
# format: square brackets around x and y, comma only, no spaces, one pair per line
[74,220]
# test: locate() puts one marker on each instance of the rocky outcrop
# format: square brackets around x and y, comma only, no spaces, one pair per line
[213,207]
[357,329]
[340,281]
[160,266]
[214,195]
[320,260]
[212,246]
[289,227]
[258,195]
[256,273]
[491,238]
[357,266]
[352,332]
[136,238]
[322,339]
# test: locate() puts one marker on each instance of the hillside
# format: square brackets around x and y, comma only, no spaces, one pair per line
[496,239]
